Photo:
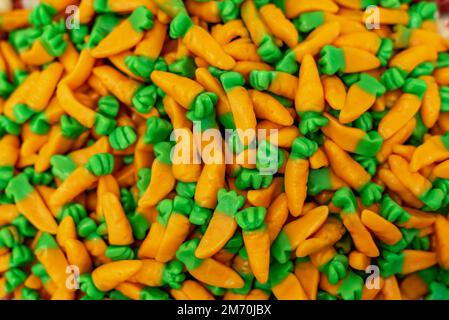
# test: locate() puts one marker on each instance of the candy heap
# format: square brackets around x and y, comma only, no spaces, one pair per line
[346,198]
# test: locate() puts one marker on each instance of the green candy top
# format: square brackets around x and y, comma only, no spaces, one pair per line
[186,189]
[141,19]
[261,79]
[45,242]
[370,84]
[279,271]
[200,216]
[345,199]
[352,287]
[182,205]
[251,219]
[42,15]
[53,39]
[62,166]
[162,151]
[100,164]
[122,137]
[186,254]
[308,21]
[180,25]
[232,79]
[303,148]
[392,211]
[165,209]
[157,130]
[229,202]
[173,274]
[332,60]
[19,188]
[414,86]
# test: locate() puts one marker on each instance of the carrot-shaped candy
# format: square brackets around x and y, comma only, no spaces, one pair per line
[442,246]
[186,164]
[361,96]
[284,284]
[8,213]
[208,270]
[352,173]
[77,255]
[51,44]
[351,287]
[150,246]
[177,229]
[162,180]
[241,106]
[368,41]
[259,32]
[146,55]
[14,19]
[200,42]
[277,82]
[363,241]
[315,41]
[210,181]
[329,234]
[309,100]
[405,262]
[191,290]
[122,6]
[82,178]
[294,8]
[43,13]
[278,24]
[108,276]
[48,79]
[386,231]
[128,91]
[118,225]
[171,7]
[214,11]
[404,108]
[52,258]
[257,240]
[296,174]
[138,292]
[309,277]
[297,231]
[431,105]
[268,108]
[30,204]
[277,214]
[352,139]
[346,60]
[188,93]
[222,225]
[334,91]
[434,149]
[420,186]
[410,58]
[41,121]
[405,37]
[14,107]
[233,247]
[126,35]
[156,274]
[10,146]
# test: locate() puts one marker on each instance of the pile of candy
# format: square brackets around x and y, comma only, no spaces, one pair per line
[346,198]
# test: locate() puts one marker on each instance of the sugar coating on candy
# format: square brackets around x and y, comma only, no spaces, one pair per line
[114,138]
